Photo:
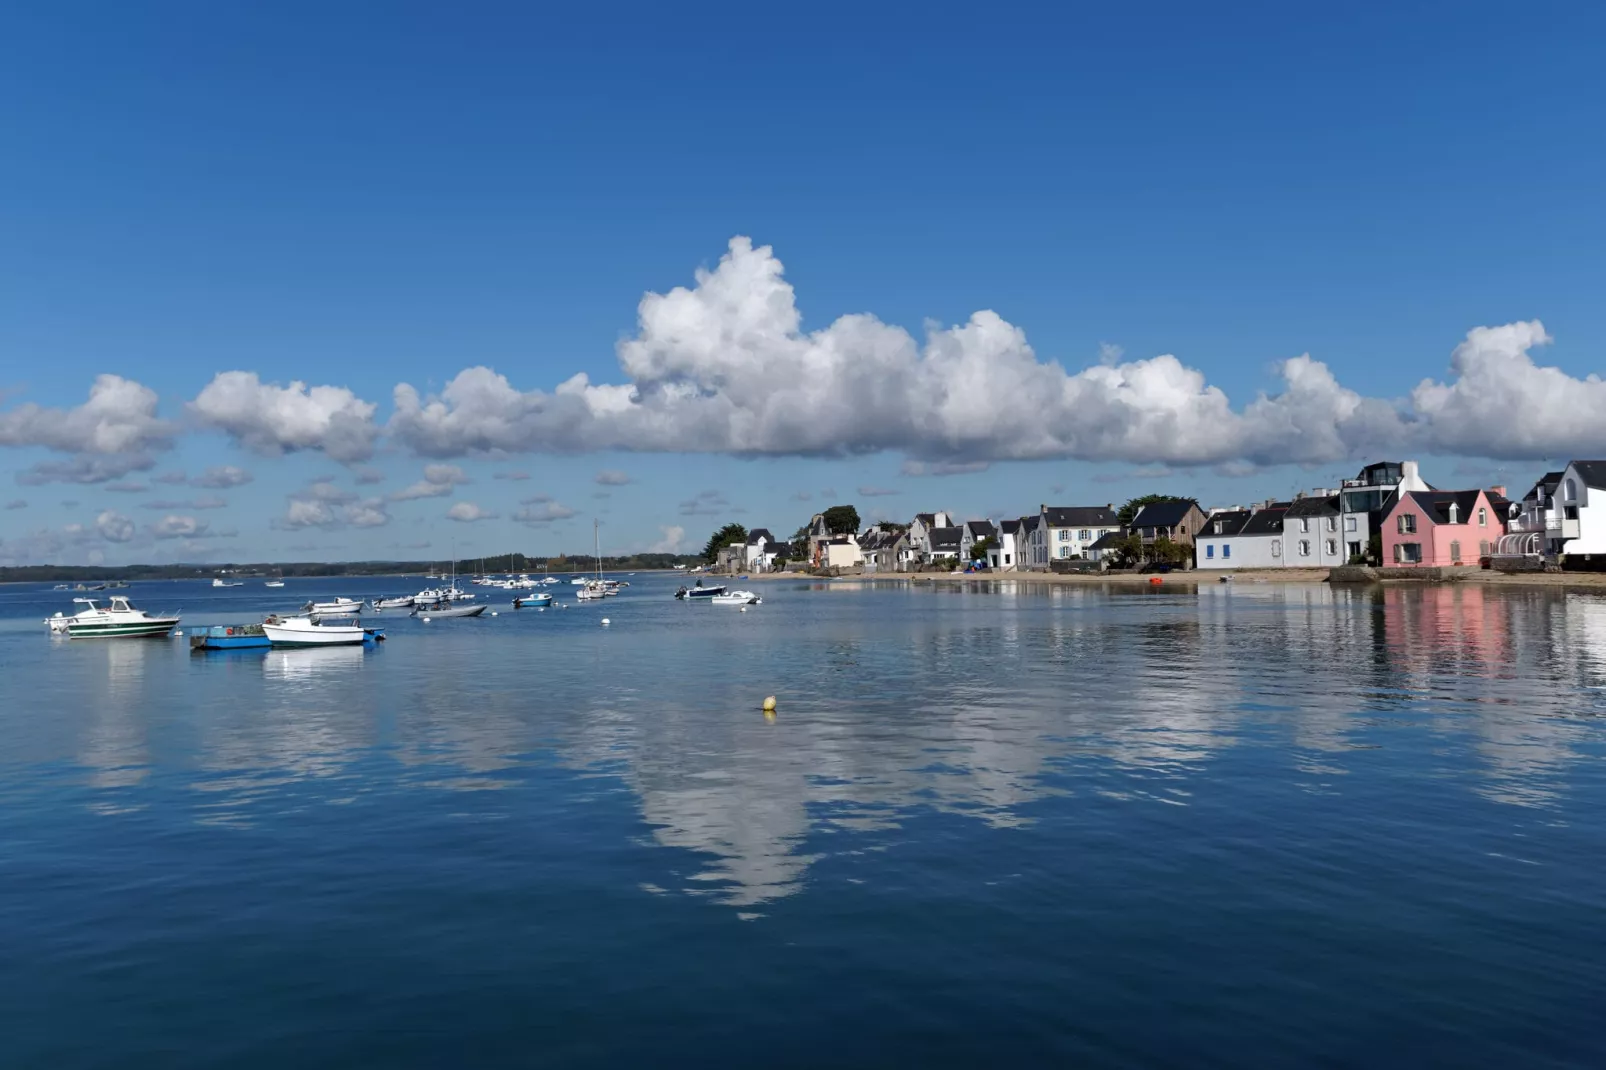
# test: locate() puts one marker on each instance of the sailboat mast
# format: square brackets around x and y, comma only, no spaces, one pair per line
[596,538]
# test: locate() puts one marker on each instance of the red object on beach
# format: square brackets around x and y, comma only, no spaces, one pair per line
[1155,580]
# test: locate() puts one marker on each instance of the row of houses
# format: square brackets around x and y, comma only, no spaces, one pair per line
[1387,515]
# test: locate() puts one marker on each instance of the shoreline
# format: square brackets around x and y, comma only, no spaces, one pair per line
[1196,578]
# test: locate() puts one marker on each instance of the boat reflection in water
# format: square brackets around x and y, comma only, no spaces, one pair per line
[300,664]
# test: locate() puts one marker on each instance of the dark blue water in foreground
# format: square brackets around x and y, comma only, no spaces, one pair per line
[1255,826]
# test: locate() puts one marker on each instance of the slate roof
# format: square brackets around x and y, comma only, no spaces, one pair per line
[945,539]
[1231,521]
[1267,521]
[757,533]
[1107,540]
[1547,483]
[1436,504]
[1313,507]
[1009,526]
[981,529]
[782,549]
[1079,516]
[928,519]
[1593,473]
[1167,514]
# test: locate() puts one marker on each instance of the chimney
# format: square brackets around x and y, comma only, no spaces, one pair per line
[1410,478]
[1498,490]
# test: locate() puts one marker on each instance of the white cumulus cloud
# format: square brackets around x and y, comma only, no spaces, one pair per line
[222,477]
[178,527]
[273,419]
[468,513]
[725,366]
[438,481]
[674,537]
[119,417]
[114,527]
[542,510]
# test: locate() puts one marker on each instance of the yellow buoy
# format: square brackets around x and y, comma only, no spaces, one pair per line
[769,704]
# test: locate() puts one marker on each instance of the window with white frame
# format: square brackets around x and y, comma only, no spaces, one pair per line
[1276,547]
[1407,523]
[1065,551]
[1332,547]
[1332,523]
[1572,491]
[1304,547]
[1350,523]
[1084,534]
[1065,536]
[1483,517]
[1304,524]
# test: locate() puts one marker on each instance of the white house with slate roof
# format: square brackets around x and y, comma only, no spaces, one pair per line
[1311,534]
[1243,539]
[1064,532]
[973,531]
[1581,495]
[1004,554]
[761,550]
[920,529]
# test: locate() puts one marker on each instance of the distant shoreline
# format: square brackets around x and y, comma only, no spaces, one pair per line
[1195,578]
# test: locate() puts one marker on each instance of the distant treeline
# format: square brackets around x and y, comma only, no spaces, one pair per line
[269,569]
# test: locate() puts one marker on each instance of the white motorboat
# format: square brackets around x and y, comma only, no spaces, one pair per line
[274,583]
[441,594]
[530,601]
[591,593]
[313,631]
[58,623]
[119,620]
[736,598]
[340,607]
[698,593]
[404,602]
[581,582]
[220,583]
[444,610]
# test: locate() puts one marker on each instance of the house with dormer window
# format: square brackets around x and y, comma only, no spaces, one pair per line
[1436,529]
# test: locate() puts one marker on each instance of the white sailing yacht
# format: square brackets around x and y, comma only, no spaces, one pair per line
[594,589]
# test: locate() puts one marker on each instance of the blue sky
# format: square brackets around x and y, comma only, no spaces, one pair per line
[364,195]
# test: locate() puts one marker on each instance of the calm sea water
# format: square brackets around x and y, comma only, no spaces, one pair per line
[1248,826]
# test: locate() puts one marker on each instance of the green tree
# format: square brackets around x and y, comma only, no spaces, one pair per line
[1130,509]
[842,520]
[722,538]
[1127,552]
[979,548]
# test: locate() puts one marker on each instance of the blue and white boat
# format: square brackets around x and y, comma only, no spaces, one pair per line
[530,601]
[230,637]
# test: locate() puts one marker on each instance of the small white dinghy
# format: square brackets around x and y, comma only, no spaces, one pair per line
[737,598]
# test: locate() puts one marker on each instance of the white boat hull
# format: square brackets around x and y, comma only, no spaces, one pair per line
[300,631]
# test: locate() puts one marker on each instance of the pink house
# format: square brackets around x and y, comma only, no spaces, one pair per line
[1429,528]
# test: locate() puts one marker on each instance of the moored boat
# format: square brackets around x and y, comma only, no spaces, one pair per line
[229,637]
[340,607]
[220,583]
[313,631]
[532,601]
[693,593]
[737,598]
[445,610]
[404,602]
[121,619]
